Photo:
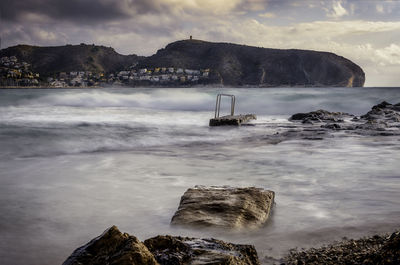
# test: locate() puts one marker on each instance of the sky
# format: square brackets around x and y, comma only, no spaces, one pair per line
[366,32]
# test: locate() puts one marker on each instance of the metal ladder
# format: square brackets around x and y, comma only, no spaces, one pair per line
[218,104]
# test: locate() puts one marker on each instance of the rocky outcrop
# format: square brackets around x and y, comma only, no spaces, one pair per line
[383,112]
[383,250]
[320,116]
[112,247]
[224,207]
[383,119]
[115,248]
[241,65]
[183,250]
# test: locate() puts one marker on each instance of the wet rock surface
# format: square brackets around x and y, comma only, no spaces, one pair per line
[224,207]
[169,250]
[320,116]
[112,247]
[369,251]
[382,120]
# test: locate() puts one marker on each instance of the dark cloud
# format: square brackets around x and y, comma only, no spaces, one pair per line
[71,10]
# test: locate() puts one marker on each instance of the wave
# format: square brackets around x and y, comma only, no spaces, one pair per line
[266,101]
[166,99]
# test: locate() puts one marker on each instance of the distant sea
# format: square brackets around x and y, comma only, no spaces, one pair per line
[74,162]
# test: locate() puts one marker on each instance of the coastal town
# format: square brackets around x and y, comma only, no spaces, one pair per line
[17,73]
[132,77]
[14,73]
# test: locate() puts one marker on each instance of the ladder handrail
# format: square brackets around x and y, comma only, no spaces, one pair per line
[218,104]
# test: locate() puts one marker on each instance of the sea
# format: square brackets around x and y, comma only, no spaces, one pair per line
[74,162]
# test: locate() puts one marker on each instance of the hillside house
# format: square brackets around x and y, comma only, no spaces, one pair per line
[123,73]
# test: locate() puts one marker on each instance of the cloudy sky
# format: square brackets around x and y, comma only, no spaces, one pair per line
[367,32]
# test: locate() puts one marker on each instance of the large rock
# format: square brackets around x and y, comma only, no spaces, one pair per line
[169,250]
[115,248]
[224,207]
[112,247]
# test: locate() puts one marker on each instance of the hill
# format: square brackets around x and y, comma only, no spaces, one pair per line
[50,60]
[228,64]
[240,65]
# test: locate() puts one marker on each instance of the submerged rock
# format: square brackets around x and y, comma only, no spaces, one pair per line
[224,207]
[170,250]
[333,126]
[112,247]
[369,251]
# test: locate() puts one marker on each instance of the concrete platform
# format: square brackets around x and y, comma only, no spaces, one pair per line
[233,120]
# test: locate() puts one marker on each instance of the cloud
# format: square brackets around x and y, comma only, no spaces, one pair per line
[80,11]
[379,9]
[267,15]
[389,54]
[337,10]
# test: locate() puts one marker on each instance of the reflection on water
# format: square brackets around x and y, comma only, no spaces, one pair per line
[73,163]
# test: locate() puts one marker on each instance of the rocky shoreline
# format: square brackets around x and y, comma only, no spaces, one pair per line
[378,249]
[114,247]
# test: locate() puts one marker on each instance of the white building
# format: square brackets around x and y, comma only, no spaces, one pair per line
[165,77]
[189,71]
[145,77]
[123,73]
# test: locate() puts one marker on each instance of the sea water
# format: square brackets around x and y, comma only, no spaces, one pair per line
[74,162]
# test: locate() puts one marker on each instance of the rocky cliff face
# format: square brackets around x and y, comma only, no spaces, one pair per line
[240,65]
